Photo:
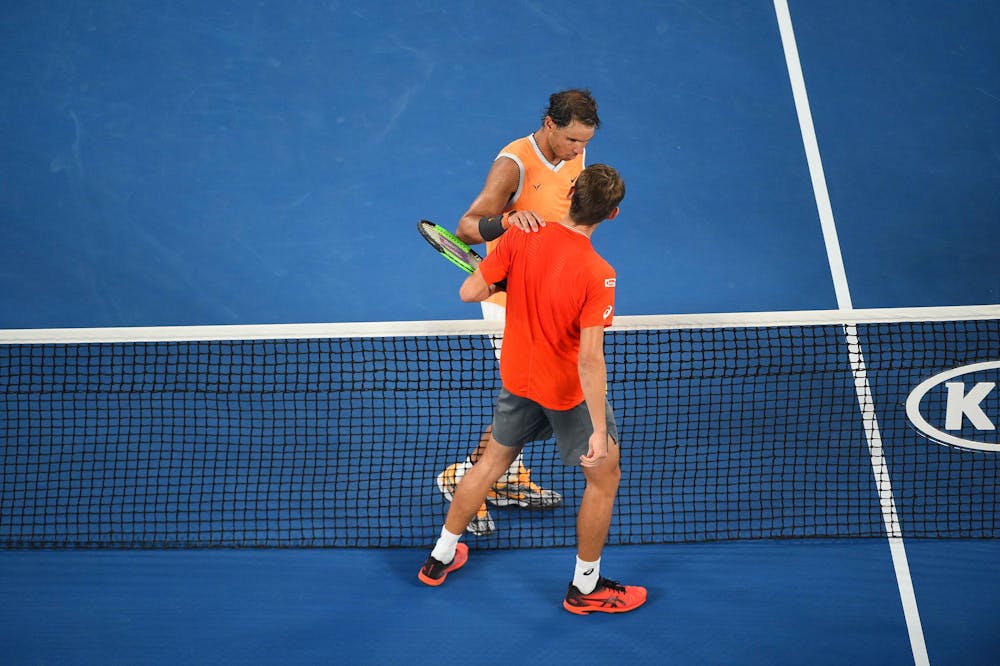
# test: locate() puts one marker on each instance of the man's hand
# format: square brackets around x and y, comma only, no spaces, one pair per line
[525,220]
[597,450]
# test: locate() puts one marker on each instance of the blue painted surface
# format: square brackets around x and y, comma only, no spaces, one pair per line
[199,164]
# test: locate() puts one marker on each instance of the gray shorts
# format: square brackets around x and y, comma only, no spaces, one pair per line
[517,421]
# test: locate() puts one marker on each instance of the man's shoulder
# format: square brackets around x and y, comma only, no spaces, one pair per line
[599,265]
[585,256]
[517,146]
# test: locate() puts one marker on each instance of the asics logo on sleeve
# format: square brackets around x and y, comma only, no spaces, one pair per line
[607,311]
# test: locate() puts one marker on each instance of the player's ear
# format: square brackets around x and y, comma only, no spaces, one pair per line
[572,188]
[613,214]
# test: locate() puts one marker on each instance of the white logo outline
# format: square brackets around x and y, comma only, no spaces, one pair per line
[935,434]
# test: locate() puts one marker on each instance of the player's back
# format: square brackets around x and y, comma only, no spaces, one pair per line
[556,283]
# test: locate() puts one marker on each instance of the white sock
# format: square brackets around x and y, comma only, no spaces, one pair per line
[586,575]
[444,549]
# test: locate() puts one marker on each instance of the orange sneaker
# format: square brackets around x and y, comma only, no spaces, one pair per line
[519,490]
[608,597]
[434,571]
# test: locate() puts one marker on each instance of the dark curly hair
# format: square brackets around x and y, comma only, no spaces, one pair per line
[573,104]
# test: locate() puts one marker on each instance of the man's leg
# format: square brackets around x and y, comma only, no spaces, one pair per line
[590,592]
[448,554]
[447,481]
[476,482]
[594,518]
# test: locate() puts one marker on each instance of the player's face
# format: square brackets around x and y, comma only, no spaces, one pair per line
[570,141]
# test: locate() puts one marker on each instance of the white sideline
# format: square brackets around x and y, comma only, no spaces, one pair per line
[861,385]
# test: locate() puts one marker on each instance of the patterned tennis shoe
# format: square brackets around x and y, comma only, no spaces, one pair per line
[435,571]
[608,597]
[519,490]
[447,481]
[482,524]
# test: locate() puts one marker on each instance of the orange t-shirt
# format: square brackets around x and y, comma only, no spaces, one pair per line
[557,284]
[543,187]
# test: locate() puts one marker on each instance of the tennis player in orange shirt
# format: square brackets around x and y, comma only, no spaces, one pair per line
[560,298]
[526,185]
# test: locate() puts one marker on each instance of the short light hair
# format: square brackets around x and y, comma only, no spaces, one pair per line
[597,192]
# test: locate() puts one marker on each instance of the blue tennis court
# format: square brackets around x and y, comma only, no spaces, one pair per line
[222,165]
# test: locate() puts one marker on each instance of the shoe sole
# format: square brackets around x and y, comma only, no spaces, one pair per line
[585,610]
[461,557]
[524,504]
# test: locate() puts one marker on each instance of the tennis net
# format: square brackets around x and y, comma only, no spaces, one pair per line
[738,426]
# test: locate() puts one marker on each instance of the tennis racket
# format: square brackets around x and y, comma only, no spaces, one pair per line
[450,247]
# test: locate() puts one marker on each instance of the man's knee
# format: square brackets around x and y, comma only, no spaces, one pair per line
[609,472]
[605,476]
[498,457]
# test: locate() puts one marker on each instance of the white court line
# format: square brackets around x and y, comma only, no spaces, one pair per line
[858,367]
